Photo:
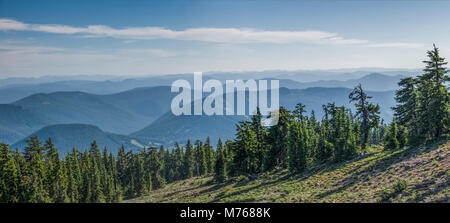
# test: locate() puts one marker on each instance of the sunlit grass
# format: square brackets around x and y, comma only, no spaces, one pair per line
[404,175]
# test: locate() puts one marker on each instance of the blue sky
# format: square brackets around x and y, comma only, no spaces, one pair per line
[161,37]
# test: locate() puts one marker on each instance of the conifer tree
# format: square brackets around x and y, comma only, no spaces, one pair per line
[260,133]
[188,164]
[60,184]
[72,182]
[434,99]
[220,172]
[209,155]
[9,176]
[298,146]
[155,165]
[368,112]
[277,141]
[390,140]
[179,162]
[406,110]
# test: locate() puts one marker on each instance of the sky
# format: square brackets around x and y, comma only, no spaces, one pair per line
[45,37]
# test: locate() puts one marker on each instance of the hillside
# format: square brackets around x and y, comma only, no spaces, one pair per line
[404,175]
[80,136]
[120,113]
[17,122]
[148,103]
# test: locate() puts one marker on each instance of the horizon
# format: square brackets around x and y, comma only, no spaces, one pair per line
[369,70]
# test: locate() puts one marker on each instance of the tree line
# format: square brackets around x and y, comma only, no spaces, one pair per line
[296,142]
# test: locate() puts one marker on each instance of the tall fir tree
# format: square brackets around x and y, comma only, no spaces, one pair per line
[220,172]
[434,99]
[368,112]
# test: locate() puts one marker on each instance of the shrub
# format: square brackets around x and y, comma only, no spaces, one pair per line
[400,186]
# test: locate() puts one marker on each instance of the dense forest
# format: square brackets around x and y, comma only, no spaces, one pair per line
[300,139]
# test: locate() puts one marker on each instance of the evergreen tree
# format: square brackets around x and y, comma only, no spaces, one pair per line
[260,134]
[155,165]
[367,111]
[209,153]
[9,176]
[72,180]
[390,138]
[60,184]
[402,136]
[188,163]
[220,173]
[277,141]
[97,195]
[434,99]
[179,162]
[406,110]
[298,146]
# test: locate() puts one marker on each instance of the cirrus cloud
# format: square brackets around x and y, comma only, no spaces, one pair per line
[218,35]
[215,35]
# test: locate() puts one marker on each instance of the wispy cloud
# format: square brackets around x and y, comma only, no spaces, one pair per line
[9,49]
[218,35]
[149,52]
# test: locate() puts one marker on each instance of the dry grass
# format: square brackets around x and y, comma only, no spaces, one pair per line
[404,175]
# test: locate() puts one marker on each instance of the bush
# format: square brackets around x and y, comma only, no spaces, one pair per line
[241,178]
[400,186]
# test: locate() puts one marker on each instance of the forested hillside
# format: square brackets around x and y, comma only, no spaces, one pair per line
[346,155]
[68,136]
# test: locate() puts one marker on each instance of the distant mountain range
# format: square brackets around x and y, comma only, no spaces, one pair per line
[121,113]
[371,82]
[142,117]
[293,80]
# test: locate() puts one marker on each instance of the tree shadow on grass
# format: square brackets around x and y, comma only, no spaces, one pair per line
[380,165]
[276,181]
[189,189]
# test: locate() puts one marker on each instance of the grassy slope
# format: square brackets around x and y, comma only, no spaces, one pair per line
[371,178]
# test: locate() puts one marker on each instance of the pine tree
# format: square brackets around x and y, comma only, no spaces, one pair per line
[188,163]
[277,141]
[51,166]
[434,99]
[406,110]
[60,184]
[9,176]
[97,195]
[209,155]
[72,182]
[34,145]
[200,159]
[298,146]
[299,110]
[155,165]
[402,134]
[244,150]
[390,140]
[368,112]
[35,191]
[179,162]
[107,178]
[260,134]
[138,177]
[220,172]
